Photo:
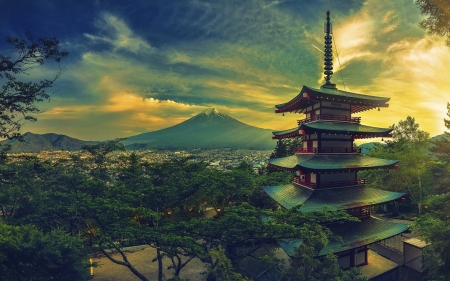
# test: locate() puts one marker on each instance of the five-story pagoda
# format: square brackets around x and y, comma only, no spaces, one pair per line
[326,166]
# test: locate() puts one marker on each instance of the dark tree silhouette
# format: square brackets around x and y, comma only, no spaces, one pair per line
[438,17]
[18,97]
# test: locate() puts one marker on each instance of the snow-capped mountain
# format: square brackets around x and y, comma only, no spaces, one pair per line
[209,129]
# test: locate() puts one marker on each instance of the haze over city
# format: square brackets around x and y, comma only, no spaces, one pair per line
[142,66]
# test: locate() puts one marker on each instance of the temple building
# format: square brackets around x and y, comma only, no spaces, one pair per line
[325,168]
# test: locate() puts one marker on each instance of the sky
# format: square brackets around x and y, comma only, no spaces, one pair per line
[144,65]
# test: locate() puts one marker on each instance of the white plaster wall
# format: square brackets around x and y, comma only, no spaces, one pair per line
[411,257]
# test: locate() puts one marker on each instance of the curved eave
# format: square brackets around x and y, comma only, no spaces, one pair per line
[333,127]
[290,133]
[354,235]
[348,128]
[291,195]
[331,162]
[309,96]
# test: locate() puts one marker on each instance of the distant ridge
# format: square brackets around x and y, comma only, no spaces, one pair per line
[208,129]
[37,142]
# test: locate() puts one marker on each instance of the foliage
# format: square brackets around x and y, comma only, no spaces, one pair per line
[28,254]
[115,202]
[243,229]
[435,228]
[286,147]
[18,98]
[309,268]
[441,147]
[223,271]
[267,177]
[438,17]
[306,267]
[447,121]
[410,147]
[19,187]
[407,133]
[100,153]
[434,225]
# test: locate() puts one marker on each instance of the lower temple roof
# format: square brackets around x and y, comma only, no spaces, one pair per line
[354,234]
[291,195]
[331,162]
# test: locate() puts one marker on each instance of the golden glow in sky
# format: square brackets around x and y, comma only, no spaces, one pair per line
[142,67]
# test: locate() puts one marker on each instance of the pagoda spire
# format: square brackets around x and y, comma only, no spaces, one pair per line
[328,54]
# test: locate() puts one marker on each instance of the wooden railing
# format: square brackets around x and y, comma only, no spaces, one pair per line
[328,150]
[330,117]
[300,181]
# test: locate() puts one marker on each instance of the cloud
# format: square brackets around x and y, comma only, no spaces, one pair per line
[391,21]
[114,31]
[177,57]
[168,60]
[126,101]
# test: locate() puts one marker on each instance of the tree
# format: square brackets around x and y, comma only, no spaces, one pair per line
[286,147]
[18,98]
[305,266]
[435,228]
[442,146]
[438,17]
[27,253]
[130,202]
[17,187]
[407,133]
[223,271]
[243,230]
[119,205]
[100,153]
[410,146]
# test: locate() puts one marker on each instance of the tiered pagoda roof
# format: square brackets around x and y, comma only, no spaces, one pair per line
[331,162]
[334,127]
[291,195]
[354,234]
[310,96]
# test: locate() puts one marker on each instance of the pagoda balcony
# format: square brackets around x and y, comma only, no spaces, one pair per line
[330,117]
[327,150]
[312,185]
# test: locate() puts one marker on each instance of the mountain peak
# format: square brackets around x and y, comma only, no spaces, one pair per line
[211,114]
[210,111]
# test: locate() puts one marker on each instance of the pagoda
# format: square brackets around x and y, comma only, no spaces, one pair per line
[326,167]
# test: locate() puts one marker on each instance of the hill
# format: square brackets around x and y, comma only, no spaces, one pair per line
[366,147]
[209,129]
[37,142]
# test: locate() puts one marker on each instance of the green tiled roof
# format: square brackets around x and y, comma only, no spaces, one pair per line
[344,94]
[336,127]
[354,235]
[288,131]
[359,102]
[331,162]
[344,127]
[291,195]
